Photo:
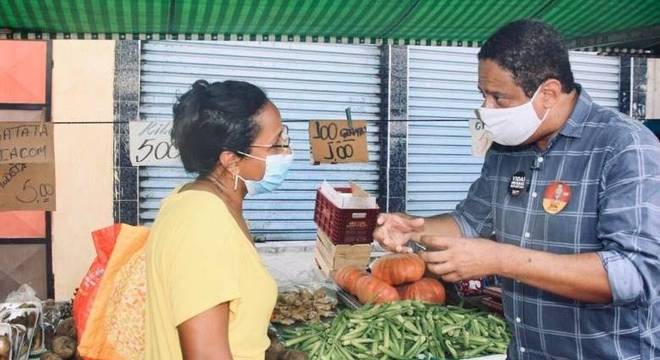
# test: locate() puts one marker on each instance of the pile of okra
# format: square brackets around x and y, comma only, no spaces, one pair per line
[402,330]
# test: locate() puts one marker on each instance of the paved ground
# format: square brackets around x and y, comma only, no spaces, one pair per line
[291,262]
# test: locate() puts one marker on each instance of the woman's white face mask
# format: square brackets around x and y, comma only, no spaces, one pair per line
[511,126]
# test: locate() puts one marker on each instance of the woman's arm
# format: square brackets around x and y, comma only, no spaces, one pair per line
[205,336]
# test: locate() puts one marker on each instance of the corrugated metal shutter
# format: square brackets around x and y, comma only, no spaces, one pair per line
[443,85]
[306,81]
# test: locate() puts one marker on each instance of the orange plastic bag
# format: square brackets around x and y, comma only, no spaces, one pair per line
[115,324]
[104,242]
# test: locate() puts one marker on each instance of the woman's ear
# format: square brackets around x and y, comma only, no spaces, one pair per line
[229,160]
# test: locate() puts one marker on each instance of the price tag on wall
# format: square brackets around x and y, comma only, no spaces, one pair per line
[27,166]
[334,141]
[151,144]
[26,142]
[27,186]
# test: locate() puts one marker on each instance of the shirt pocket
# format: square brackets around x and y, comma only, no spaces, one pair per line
[509,215]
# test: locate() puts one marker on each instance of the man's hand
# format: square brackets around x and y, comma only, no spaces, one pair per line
[456,259]
[393,231]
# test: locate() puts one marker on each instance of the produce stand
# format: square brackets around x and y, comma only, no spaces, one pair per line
[377,315]
[42,327]
[349,310]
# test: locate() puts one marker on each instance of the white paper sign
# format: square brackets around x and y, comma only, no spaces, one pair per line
[480,140]
[151,144]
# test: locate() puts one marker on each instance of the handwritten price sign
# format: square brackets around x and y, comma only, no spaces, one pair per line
[27,166]
[151,145]
[333,141]
[26,142]
[27,187]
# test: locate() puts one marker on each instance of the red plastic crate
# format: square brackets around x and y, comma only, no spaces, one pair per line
[344,226]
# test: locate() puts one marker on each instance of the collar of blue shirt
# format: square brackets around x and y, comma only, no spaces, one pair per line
[573,127]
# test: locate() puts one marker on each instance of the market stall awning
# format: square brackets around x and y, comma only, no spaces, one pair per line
[411,21]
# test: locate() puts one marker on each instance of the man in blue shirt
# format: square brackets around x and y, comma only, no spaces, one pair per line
[570,192]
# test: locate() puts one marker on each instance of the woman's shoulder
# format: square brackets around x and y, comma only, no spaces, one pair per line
[191,211]
[192,218]
[194,202]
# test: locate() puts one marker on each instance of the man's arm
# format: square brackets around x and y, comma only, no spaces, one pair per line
[581,276]
[578,276]
[629,217]
[444,225]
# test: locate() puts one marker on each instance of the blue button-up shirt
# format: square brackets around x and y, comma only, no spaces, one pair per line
[612,165]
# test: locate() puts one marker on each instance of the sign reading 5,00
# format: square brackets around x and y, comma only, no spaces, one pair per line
[151,145]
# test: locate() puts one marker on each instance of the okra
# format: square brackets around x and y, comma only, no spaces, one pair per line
[391,354]
[307,344]
[405,330]
[297,340]
[394,345]
[414,350]
[437,349]
[395,330]
[408,325]
[355,333]
[359,346]
[466,339]
[451,349]
[386,337]
[449,328]
[479,340]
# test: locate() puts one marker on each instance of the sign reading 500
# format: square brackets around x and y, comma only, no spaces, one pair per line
[151,145]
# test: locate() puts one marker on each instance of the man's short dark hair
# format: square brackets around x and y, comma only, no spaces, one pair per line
[533,52]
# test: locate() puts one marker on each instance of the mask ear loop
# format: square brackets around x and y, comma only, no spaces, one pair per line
[251,156]
[546,114]
[532,99]
[236,177]
[235,174]
[538,89]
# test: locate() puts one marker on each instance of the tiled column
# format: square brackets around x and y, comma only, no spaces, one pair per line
[394,129]
[634,86]
[640,80]
[126,102]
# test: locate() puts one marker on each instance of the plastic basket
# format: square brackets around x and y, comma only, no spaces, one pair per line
[344,226]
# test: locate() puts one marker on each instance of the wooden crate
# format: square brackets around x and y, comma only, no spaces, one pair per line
[359,251]
[322,265]
[329,257]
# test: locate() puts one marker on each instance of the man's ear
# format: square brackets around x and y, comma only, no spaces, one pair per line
[550,93]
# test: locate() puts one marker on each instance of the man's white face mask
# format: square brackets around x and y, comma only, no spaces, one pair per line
[511,126]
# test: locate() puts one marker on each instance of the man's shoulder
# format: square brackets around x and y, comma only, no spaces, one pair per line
[615,128]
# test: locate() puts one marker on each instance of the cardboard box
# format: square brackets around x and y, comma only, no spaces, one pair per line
[356,199]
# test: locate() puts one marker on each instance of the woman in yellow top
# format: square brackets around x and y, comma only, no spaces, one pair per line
[208,294]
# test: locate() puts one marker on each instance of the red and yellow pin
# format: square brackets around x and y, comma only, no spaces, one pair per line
[556,196]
